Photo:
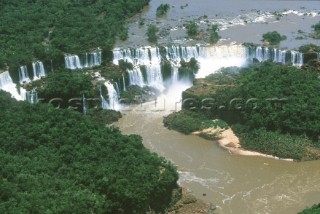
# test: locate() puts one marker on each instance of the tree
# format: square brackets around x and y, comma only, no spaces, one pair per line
[152,34]
[162,9]
[192,29]
[274,38]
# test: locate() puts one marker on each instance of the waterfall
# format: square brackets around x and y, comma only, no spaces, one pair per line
[296,58]
[92,59]
[279,56]
[31,96]
[318,56]
[88,60]
[210,58]
[72,62]
[23,75]
[117,89]
[124,83]
[38,70]
[7,85]
[113,96]
[259,54]
[84,105]
[136,77]
[104,103]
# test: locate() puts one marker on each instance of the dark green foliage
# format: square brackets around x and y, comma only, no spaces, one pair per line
[309,47]
[114,72]
[188,70]
[47,29]
[123,35]
[214,36]
[162,9]
[269,100]
[274,38]
[59,161]
[192,29]
[166,70]
[104,116]
[315,209]
[277,144]
[66,85]
[136,94]
[186,122]
[152,34]
[316,33]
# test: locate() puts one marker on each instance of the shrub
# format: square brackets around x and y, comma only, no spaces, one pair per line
[152,33]
[274,38]
[192,29]
[162,9]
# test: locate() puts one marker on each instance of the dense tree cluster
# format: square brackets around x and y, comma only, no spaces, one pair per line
[213,32]
[152,33]
[192,29]
[267,101]
[59,161]
[188,70]
[316,33]
[274,38]
[315,209]
[47,29]
[162,9]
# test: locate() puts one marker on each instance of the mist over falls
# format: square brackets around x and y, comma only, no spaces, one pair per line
[148,70]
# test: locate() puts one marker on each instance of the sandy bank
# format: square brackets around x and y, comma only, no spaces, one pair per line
[228,140]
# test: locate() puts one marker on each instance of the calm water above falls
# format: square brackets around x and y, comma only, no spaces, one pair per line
[239,20]
[236,184]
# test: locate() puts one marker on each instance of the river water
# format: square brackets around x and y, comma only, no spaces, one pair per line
[236,184]
[239,20]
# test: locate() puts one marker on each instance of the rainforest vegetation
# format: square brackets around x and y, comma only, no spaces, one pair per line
[60,161]
[315,209]
[162,9]
[274,38]
[45,30]
[267,101]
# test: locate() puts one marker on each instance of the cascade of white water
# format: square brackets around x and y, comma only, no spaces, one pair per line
[31,96]
[38,70]
[266,54]
[210,58]
[296,58]
[259,54]
[7,85]
[92,59]
[318,56]
[72,62]
[279,56]
[113,96]
[213,58]
[117,89]
[104,103]
[23,75]
[124,83]
[136,77]
[84,104]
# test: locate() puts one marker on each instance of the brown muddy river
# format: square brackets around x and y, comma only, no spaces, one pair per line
[235,184]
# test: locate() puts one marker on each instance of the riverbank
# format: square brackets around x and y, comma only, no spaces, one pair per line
[189,204]
[229,141]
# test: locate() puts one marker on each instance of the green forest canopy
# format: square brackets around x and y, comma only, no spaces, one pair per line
[269,101]
[59,161]
[46,29]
